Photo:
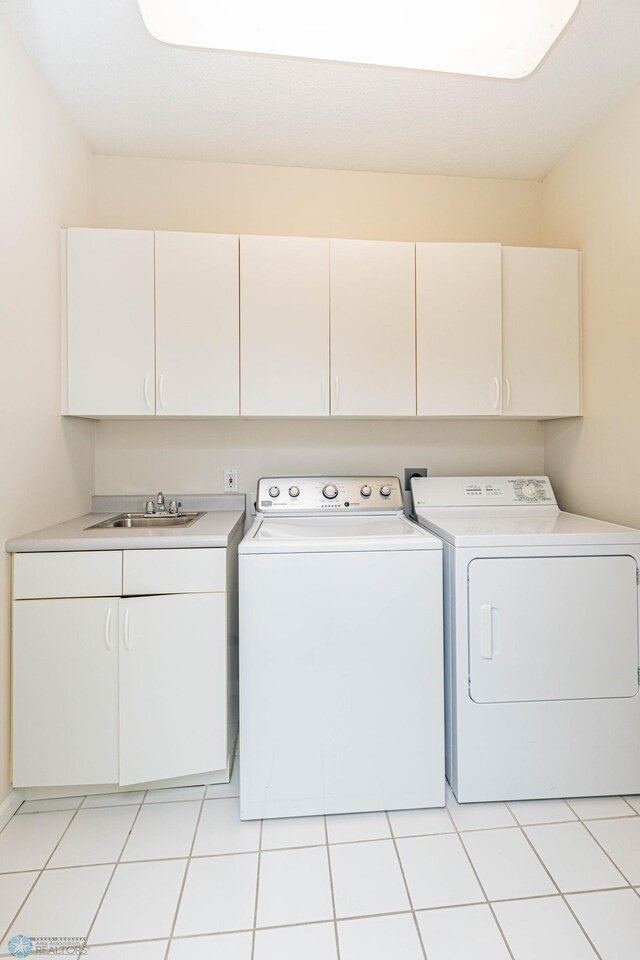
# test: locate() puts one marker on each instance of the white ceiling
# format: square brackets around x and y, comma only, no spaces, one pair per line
[132,95]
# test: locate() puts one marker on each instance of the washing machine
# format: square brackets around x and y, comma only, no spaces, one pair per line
[541,641]
[341,651]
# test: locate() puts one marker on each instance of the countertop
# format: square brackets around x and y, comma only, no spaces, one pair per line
[223,515]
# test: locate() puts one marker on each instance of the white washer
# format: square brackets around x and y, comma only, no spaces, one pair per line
[341,664]
[541,641]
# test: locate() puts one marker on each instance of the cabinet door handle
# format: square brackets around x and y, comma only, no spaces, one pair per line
[146,390]
[107,630]
[507,387]
[486,631]
[496,395]
[323,394]
[161,390]
[127,642]
[336,393]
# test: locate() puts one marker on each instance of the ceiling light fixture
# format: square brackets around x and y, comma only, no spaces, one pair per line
[487,38]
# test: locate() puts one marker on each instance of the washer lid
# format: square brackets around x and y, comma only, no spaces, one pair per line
[484,529]
[284,534]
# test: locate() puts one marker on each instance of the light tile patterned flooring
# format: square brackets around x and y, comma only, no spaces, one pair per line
[175,875]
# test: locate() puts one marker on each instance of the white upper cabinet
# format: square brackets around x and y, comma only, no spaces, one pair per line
[459,329]
[197,324]
[284,315]
[541,329]
[110,323]
[212,325]
[373,369]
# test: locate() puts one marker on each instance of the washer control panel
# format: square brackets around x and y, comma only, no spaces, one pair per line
[325,495]
[482,492]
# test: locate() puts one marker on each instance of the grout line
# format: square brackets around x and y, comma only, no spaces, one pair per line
[617,816]
[255,905]
[42,869]
[480,884]
[185,874]
[629,804]
[564,898]
[333,897]
[456,831]
[607,855]
[585,823]
[406,886]
[305,846]
[115,867]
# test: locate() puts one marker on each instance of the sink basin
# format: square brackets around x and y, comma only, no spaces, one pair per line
[147,521]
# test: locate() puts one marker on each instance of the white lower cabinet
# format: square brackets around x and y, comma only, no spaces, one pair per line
[65,691]
[123,690]
[172,668]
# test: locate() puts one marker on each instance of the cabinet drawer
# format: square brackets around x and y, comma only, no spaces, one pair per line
[96,573]
[174,571]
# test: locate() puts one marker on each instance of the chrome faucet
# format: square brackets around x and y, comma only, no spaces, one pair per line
[151,508]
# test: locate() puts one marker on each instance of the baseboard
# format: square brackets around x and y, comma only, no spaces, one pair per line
[9,806]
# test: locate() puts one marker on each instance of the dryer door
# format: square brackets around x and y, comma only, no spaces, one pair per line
[553,628]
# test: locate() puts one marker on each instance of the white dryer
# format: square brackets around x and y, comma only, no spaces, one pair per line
[341,660]
[541,641]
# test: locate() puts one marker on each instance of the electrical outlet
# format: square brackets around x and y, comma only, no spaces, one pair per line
[230,479]
[413,472]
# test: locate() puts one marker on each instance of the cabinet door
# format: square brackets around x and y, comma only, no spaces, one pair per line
[459,333]
[373,365]
[541,329]
[284,320]
[65,692]
[110,323]
[197,325]
[173,686]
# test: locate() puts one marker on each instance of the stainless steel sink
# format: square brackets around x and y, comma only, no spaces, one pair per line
[148,521]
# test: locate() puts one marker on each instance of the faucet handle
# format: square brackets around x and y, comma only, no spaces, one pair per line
[149,507]
[174,507]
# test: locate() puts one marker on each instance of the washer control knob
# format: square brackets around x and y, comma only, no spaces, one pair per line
[529,489]
[366,490]
[385,490]
[274,492]
[330,491]
[294,491]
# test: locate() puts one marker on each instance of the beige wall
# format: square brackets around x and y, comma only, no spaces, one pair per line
[591,200]
[182,195]
[189,457]
[237,198]
[47,467]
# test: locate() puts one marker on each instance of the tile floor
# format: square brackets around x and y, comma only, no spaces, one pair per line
[175,875]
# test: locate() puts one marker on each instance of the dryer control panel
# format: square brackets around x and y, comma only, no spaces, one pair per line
[482,492]
[326,495]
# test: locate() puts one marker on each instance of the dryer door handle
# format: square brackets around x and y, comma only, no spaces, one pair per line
[486,631]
